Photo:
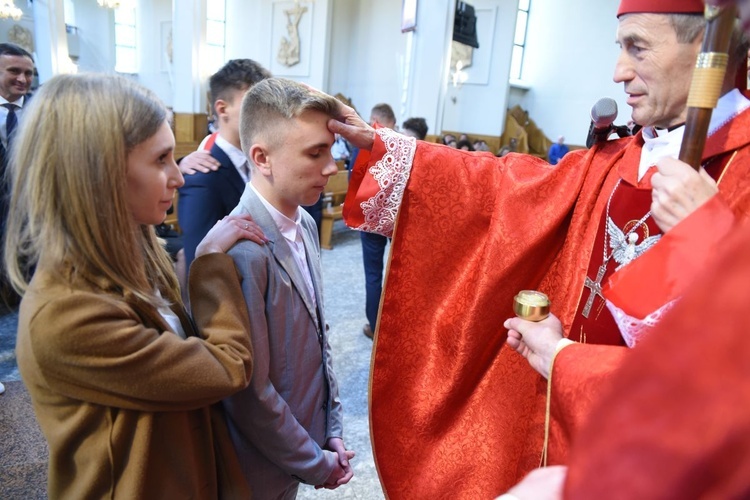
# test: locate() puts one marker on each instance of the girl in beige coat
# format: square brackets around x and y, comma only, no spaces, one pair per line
[121,384]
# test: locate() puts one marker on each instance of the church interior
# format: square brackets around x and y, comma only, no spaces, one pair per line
[533,74]
[527,59]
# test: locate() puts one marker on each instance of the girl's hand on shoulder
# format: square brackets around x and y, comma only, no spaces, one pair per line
[229,231]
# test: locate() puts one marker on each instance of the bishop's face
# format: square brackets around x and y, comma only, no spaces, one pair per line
[655,69]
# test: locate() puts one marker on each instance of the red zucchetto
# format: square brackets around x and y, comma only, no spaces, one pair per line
[661,7]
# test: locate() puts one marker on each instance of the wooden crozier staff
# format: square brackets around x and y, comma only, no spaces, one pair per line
[708,79]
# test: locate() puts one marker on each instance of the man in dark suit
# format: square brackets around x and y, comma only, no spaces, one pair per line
[207,197]
[16,75]
[373,245]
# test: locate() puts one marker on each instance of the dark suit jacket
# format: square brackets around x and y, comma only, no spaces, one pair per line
[7,294]
[4,158]
[206,198]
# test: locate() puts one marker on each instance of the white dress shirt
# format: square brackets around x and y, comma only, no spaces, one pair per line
[291,229]
[238,158]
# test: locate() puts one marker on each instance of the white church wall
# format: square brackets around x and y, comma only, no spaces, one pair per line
[344,41]
[96,36]
[428,56]
[247,36]
[372,62]
[478,106]
[368,52]
[255,30]
[95,41]
[569,63]
[154,26]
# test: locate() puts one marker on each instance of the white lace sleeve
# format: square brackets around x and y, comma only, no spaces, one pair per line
[391,173]
[634,329]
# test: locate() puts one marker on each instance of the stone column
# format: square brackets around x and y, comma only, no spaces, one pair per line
[189,83]
[50,39]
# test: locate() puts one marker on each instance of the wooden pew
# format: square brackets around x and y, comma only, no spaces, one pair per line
[333,199]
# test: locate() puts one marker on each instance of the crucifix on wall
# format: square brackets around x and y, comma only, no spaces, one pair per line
[288,53]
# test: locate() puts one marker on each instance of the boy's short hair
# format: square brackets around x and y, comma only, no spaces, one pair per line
[417,125]
[383,114]
[276,99]
[236,74]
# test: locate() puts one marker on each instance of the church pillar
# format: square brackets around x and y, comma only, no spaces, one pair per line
[427,63]
[50,39]
[189,83]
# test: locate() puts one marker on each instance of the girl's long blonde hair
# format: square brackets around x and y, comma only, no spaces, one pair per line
[68,210]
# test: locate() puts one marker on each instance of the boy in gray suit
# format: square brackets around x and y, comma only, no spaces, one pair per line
[287,424]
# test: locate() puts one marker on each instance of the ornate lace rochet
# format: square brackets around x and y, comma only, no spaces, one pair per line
[634,329]
[391,173]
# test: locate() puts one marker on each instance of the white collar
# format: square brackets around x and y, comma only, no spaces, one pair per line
[18,102]
[662,143]
[288,227]
[234,153]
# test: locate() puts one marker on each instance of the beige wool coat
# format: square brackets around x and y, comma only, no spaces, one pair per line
[124,403]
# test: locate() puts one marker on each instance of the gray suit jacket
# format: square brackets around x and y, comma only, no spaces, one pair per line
[281,421]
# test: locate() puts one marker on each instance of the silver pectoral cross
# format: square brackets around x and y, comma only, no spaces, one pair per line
[596,289]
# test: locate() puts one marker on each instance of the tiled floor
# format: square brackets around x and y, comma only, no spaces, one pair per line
[344,296]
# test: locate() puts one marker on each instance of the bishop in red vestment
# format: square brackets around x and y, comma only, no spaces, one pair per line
[455,413]
[684,432]
[675,421]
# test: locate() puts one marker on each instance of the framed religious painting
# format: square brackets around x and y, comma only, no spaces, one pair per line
[408,15]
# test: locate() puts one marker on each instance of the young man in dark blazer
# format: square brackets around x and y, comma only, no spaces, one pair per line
[207,197]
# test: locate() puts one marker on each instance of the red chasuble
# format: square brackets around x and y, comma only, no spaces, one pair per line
[455,413]
[676,423]
[657,278]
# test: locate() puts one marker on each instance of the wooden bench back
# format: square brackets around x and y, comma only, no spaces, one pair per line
[335,190]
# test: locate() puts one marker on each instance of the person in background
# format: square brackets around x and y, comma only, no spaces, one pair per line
[120,379]
[415,127]
[449,140]
[287,426]
[481,145]
[557,151]
[207,197]
[373,245]
[16,76]
[340,150]
[511,147]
